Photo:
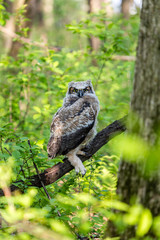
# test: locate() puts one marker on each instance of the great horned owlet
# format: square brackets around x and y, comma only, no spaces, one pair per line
[74,123]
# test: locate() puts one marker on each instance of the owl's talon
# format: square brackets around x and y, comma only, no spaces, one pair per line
[82,171]
[80,152]
[84,174]
[77,171]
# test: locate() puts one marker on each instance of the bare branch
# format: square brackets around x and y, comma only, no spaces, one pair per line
[56,49]
[25,40]
[8,151]
[124,58]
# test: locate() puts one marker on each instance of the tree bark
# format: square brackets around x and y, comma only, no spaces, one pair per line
[52,174]
[125,8]
[9,24]
[107,6]
[48,7]
[29,14]
[94,7]
[133,181]
[39,15]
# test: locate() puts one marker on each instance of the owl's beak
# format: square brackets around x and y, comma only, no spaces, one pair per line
[80,93]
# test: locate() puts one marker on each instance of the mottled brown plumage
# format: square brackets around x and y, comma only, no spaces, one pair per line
[74,123]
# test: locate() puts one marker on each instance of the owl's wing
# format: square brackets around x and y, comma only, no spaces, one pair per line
[70,127]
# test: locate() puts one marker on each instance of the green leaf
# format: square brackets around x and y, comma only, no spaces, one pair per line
[37,109]
[40,143]
[145,223]
[16,154]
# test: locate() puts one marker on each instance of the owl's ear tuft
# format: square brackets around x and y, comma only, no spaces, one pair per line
[89,81]
[70,83]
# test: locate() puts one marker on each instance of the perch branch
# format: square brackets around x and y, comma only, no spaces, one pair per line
[52,174]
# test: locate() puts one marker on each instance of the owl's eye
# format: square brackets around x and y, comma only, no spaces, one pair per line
[88,89]
[72,90]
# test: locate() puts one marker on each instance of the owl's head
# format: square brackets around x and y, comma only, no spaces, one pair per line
[80,89]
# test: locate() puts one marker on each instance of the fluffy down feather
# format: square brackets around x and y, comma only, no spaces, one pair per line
[73,124]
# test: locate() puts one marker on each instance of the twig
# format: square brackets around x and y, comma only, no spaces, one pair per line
[124,58]
[40,176]
[25,114]
[99,75]
[21,170]
[38,171]
[8,151]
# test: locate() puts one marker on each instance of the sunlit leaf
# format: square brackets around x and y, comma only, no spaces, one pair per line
[145,223]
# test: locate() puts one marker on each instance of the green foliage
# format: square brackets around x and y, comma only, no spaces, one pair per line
[4,15]
[32,88]
[77,200]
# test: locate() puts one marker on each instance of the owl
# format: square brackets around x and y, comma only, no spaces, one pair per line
[74,124]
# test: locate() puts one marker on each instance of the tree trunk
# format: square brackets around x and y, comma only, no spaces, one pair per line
[94,7]
[125,8]
[39,15]
[9,24]
[107,6]
[48,7]
[29,13]
[145,103]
